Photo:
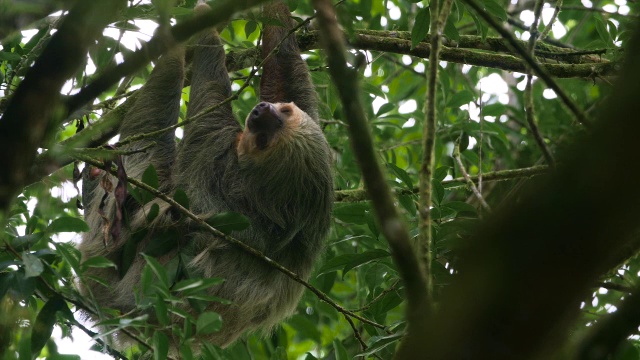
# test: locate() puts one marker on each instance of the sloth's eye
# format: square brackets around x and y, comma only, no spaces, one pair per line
[286,110]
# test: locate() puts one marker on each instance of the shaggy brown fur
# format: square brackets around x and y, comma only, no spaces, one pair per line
[276,172]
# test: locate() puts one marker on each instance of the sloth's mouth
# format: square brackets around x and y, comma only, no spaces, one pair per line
[262,140]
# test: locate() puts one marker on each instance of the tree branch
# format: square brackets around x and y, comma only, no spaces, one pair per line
[387,216]
[581,117]
[438,19]
[26,121]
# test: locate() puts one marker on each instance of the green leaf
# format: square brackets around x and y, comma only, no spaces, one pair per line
[185,351]
[279,354]
[347,262]
[495,9]
[70,254]
[191,286]
[153,212]
[441,173]
[408,204]
[157,269]
[97,262]
[420,27]
[450,30]
[602,31]
[9,56]
[250,27]
[340,351]
[162,313]
[160,346]
[162,243]
[401,174]
[460,98]
[385,108]
[292,4]
[438,192]
[364,258]
[67,224]
[373,90]
[229,221]
[181,198]
[481,27]
[354,213]
[306,328]
[149,177]
[495,109]
[44,323]
[208,322]
[22,243]
[461,207]
[130,250]
[32,265]
[380,342]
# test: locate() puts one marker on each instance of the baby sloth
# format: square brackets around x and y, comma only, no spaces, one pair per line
[276,172]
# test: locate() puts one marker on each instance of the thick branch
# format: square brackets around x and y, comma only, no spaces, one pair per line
[392,226]
[397,42]
[25,123]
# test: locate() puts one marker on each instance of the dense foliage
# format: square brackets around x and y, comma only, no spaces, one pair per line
[480,110]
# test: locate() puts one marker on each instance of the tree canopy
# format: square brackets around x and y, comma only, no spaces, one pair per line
[477,146]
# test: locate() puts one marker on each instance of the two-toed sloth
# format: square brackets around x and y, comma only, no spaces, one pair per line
[276,172]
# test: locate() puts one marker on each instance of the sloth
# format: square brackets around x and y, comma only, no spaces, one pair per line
[276,172]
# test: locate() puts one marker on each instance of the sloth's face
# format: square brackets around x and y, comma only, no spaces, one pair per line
[268,125]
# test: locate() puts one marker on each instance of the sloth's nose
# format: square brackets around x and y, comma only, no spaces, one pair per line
[260,108]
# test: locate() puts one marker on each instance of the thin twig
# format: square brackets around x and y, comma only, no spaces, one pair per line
[380,296]
[481,120]
[356,333]
[528,91]
[547,29]
[476,192]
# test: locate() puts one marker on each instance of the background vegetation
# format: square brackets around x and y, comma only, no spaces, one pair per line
[517,259]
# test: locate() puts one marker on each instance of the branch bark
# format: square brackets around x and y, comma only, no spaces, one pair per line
[392,226]
[26,122]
